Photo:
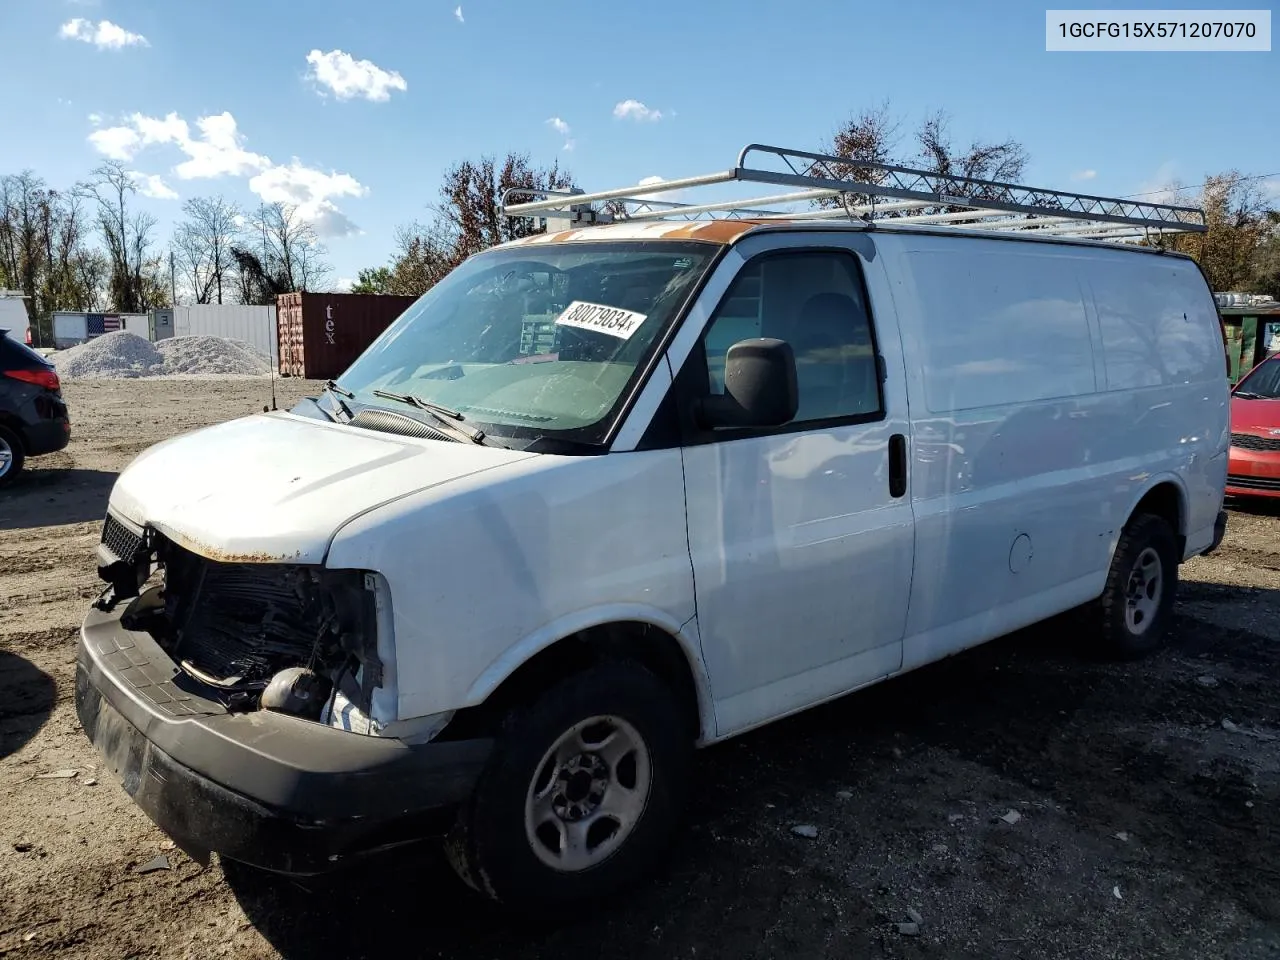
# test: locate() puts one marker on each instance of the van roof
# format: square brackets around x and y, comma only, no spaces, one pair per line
[726,232]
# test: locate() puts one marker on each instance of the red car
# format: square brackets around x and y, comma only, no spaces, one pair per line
[1253,469]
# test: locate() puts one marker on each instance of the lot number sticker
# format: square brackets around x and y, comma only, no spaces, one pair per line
[603,319]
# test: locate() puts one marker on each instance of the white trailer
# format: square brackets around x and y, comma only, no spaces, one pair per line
[71,328]
[253,325]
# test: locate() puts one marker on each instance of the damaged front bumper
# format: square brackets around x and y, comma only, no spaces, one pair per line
[275,791]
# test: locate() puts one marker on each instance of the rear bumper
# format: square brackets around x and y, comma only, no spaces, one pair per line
[270,790]
[46,436]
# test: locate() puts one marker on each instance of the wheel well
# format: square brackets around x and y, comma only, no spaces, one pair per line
[1165,501]
[642,643]
[14,426]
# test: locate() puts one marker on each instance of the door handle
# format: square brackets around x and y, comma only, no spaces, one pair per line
[897,465]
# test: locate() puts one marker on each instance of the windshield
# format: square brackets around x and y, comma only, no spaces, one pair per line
[1263,383]
[535,341]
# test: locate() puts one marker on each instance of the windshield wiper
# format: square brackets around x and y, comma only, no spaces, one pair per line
[339,389]
[438,411]
[339,392]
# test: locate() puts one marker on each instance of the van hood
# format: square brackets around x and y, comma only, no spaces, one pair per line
[278,486]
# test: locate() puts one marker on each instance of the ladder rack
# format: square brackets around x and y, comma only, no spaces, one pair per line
[857,190]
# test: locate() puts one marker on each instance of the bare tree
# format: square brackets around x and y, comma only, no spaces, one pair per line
[871,137]
[865,138]
[23,202]
[467,219]
[203,243]
[280,252]
[126,234]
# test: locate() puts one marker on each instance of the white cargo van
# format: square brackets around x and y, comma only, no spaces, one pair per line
[611,493]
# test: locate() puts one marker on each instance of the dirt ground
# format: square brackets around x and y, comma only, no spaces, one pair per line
[1147,793]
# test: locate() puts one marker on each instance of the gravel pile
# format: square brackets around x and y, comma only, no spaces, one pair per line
[212,355]
[120,355]
[112,356]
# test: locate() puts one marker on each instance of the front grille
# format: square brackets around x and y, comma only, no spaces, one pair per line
[240,623]
[1253,483]
[1251,441]
[235,625]
[120,540]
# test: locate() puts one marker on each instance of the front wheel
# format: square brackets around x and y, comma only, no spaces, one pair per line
[582,794]
[1135,608]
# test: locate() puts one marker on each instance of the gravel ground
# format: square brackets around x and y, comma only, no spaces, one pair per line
[121,355]
[1145,826]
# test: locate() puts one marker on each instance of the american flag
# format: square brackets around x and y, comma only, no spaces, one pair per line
[100,324]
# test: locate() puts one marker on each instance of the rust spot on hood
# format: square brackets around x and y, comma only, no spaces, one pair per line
[219,555]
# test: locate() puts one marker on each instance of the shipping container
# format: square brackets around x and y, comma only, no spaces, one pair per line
[321,334]
[254,325]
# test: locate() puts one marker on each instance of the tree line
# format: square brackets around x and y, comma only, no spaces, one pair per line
[91,248]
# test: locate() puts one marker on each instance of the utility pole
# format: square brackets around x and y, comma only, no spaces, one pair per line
[173,281]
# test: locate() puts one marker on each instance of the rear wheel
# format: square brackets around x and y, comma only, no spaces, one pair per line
[1135,609]
[582,793]
[11,456]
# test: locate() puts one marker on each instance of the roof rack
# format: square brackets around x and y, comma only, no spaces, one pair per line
[847,189]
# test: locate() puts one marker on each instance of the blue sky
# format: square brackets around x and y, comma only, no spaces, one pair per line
[703,77]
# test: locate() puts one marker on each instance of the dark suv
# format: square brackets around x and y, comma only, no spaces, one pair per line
[33,415]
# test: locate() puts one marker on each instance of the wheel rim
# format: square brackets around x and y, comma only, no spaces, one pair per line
[6,457]
[1143,591]
[587,794]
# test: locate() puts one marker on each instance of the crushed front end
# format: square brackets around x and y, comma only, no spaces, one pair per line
[232,697]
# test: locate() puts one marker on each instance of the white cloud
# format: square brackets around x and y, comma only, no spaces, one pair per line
[1272,187]
[457,13]
[672,196]
[569,145]
[559,126]
[153,185]
[343,285]
[104,35]
[311,191]
[217,150]
[635,110]
[1161,188]
[348,78]
[95,119]
[117,143]
[1084,174]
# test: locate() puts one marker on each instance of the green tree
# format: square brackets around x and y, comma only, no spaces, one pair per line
[373,280]
[1240,226]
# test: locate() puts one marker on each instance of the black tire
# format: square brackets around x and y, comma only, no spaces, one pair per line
[1118,635]
[9,442]
[490,848]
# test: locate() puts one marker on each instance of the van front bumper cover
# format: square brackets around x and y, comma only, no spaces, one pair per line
[270,790]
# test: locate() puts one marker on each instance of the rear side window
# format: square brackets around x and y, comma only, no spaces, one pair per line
[814,301]
[1159,323]
[1000,327]
[15,355]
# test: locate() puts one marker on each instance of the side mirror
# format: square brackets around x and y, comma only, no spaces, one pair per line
[760,388]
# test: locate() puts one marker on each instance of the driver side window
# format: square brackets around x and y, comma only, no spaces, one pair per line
[814,301]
